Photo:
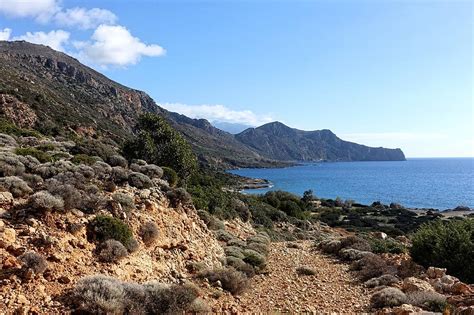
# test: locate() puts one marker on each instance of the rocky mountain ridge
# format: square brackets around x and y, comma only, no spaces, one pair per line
[55,93]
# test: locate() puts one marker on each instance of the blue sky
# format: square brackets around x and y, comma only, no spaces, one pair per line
[382,73]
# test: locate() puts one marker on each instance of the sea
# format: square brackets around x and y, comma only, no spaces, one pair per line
[439,183]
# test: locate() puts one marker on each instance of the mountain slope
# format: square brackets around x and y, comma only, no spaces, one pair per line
[54,93]
[284,143]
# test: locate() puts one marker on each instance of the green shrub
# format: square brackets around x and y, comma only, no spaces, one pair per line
[430,301]
[158,143]
[231,280]
[388,297]
[103,228]
[83,159]
[149,232]
[34,261]
[254,258]
[112,251]
[41,156]
[170,176]
[388,245]
[448,245]
[305,271]
[10,129]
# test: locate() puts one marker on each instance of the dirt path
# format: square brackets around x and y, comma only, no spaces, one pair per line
[332,289]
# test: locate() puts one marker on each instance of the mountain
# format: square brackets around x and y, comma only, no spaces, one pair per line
[288,144]
[54,93]
[233,128]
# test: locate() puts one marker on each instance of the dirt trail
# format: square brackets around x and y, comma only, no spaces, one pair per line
[332,289]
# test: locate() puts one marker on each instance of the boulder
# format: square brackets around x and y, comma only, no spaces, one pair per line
[413,284]
[352,254]
[6,198]
[435,273]
[406,309]
[7,237]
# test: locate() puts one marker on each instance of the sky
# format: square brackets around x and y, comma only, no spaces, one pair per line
[382,73]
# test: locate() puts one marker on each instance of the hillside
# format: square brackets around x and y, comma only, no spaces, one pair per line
[284,143]
[56,94]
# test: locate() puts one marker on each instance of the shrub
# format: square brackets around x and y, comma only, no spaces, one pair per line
[370,266]
[71,196]
[388,297]
[431,301]
[149,232]
[117,160]
[139,180]
[30,162]
[212,222]
[259,238]
[33,180]
[179,196]
[173,299]
[240,265]
[103,228]
[157,142]
[43,200]
[448,245]
[231,280]
[10,165]
[9,128]
[132,245]
[255,259]
[41,156]
[241,208]
[388,245]
[112,251]
[99,295]
[83,159]
[17,186]
[223,235]
[119,175]
[236,242]
[234,251]
[355,242]
[170,176]
[152,171]
[383,280]
[305,271]
[101,169]
[259,248]
[34,261]
[7,141]
[125,200]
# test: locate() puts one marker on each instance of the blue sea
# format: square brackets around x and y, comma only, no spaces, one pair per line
[440,183]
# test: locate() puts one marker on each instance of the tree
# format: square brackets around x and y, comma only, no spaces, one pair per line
[158,143]
[308,196]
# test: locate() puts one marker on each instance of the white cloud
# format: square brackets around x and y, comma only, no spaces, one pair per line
[218,113]
[5,34]
[41,10]
[54,39]
[114,45]
[83,18]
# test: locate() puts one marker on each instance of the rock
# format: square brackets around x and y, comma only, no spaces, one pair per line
[7,237]
[435,273]
[352,254]
[380,235]
[10,262]
[64,280]
[413,284]
[461,288]
[466,310]
[405,309]
[6,198]
[2,225]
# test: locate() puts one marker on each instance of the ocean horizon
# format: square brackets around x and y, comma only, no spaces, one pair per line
[419,182]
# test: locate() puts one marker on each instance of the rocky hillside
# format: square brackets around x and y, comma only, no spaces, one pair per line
[284,143]
[56,94]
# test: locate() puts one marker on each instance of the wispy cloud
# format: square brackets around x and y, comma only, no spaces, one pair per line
[5,34]
[219,113]
[54,39]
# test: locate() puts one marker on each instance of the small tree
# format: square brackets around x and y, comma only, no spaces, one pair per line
[157,142]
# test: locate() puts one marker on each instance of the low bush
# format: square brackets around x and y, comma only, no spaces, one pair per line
[139,180]
[212,222]
[34,261]
[370,266]
[10,165]
[7,141]
[231,280]
[447,245]
[119,175]
[125,200]
[258,247]
[234,251]
[305,271]
[103,228]
[149,232]
[223,236]
[83,159]
[112,251]
[41,156]
[152,171]
[430,301]
[71,196]
[170,176]
[388,245]
[237,242]
[173,299]
[383,280]
[117,160]
[240,265]
[44,201]
[15,185]
[254,258]
[388,297]
[179,196]
[355,242]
